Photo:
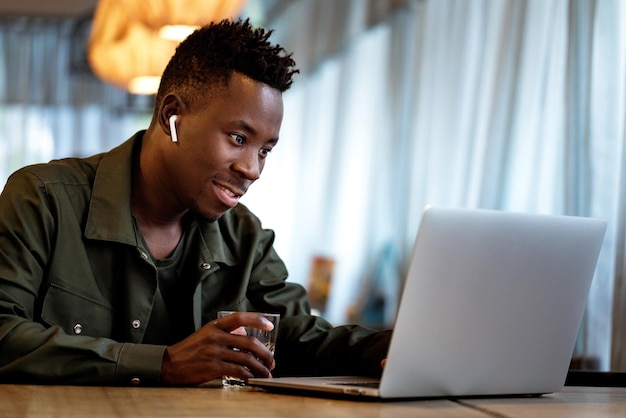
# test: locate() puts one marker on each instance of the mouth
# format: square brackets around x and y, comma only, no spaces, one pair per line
[228,195]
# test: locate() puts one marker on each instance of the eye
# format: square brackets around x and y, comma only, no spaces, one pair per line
[265,152]
[239,139]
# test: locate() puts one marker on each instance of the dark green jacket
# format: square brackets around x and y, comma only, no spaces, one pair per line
[77,285]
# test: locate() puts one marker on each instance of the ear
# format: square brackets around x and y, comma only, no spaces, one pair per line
[172,105]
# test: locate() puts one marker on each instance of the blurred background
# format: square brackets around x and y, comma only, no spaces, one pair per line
[516,105]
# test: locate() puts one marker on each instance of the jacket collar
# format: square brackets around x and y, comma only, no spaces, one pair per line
[110,214]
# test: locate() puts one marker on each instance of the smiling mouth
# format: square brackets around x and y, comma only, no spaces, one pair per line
[230,192]
[228,196]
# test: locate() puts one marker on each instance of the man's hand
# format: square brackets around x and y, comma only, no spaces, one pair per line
[218,349]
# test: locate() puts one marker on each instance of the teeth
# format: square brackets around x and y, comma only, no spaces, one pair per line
[229,192]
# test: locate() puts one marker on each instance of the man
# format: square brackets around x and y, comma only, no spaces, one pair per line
[113,267]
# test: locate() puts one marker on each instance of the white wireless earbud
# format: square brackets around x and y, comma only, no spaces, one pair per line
[173,128]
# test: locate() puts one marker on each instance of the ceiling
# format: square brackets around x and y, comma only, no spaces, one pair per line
[49,8]
[258,10]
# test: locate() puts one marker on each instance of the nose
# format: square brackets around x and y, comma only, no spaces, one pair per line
[249,165]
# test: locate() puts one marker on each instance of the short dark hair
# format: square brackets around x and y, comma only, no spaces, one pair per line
[212,53]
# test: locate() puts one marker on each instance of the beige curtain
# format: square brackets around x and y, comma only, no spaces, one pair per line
[52,106]
[514,105]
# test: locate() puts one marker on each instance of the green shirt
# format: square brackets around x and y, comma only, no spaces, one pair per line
[78,285]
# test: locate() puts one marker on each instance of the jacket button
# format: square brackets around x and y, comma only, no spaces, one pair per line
[205,266]
[78,328]
[136,323]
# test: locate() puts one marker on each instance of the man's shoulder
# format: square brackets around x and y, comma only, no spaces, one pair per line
[70,171]
[77,170]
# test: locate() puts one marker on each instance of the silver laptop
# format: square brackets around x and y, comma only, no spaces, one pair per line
[491,306]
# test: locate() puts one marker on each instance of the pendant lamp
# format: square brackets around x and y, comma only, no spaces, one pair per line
[126,45]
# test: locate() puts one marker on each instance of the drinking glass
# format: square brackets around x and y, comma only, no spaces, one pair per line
[268,338]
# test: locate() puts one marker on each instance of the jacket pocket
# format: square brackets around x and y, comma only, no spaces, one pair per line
[77,314]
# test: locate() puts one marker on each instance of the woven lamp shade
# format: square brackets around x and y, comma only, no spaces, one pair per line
[158,13]
[125,45]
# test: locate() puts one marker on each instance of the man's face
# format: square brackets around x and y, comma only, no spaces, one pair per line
[223,145]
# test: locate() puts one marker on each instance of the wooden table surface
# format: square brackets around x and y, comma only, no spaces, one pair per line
[572,402]
[86,402]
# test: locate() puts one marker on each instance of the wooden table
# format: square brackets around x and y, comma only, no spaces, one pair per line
[91,402]
[572,402]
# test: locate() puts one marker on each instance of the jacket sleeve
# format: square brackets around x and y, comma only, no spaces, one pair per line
[30,350]
[310,346]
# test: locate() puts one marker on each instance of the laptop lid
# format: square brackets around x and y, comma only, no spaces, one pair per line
[491,305]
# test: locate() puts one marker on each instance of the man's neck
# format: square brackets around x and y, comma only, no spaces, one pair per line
[161,228]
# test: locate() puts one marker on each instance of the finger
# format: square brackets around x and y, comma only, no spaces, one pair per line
[244,365]
[228,340]
[243,319]
[251,345]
